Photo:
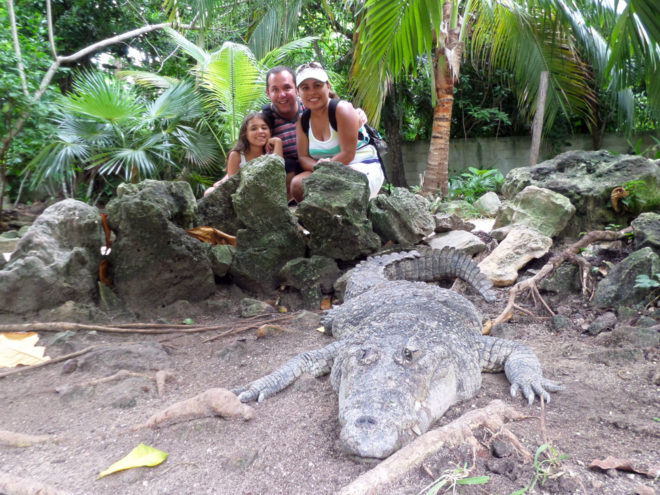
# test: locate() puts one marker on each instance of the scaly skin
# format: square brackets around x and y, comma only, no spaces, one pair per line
[407,351]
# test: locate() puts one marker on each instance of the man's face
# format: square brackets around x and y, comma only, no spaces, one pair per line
[282,92]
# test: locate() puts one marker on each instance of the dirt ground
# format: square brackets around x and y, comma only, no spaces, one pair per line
[607,409]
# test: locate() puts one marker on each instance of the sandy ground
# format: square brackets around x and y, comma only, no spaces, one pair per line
[607,408]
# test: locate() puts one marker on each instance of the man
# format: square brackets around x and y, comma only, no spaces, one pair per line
[285,110]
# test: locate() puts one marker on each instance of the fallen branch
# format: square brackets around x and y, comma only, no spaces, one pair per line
[571,253]
[460,431]
[13,485]
[59,359]
[212,402]
[139,328]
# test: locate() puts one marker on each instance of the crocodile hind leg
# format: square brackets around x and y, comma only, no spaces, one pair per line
[316,362]
[520,365]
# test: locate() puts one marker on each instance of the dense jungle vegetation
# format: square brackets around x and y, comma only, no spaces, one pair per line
[96,93]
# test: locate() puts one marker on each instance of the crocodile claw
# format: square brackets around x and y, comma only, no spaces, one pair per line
[533,388]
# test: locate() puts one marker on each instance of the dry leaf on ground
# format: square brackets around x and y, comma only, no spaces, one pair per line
[20,349]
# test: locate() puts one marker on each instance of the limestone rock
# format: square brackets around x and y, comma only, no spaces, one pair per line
[518,248]
[55,261]
[313,277]
[542,209]
[618,288]
[460,239]
[647,231]
[401,217]
[271,236]
[154,260]
[175,199]
[445,223]
[488,204]
[587,178]
[221,257]
[217,209]
[253,307]
[334,212]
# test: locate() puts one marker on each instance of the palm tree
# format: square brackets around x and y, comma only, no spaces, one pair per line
[232,78]
[529,36]
[105,127]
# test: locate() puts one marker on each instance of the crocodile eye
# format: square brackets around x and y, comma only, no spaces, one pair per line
[407,354]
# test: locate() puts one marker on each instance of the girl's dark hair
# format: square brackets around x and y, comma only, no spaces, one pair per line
[242,142]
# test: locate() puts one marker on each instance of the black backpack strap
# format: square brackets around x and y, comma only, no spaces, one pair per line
[332,112]
[304,121]
[267,111]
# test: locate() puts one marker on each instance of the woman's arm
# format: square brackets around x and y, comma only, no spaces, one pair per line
[306,161]
[348,125]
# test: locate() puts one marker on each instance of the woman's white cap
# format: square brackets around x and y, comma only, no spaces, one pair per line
[312,70]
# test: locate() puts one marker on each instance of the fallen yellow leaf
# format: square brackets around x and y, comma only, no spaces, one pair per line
[20,348]
[141,456]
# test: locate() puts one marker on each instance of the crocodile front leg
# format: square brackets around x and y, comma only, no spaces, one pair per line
[316,362]
[520,365]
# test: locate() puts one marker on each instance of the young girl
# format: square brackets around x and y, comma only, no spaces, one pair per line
[254,140]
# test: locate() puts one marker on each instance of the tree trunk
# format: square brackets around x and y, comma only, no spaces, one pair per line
[436,177]
[392,124]
[537,126]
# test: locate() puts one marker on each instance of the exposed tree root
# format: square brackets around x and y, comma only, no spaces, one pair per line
[12,439]
[59,359]
[571,254]
[460,431]
[140,328]
[212,402]
[13,485]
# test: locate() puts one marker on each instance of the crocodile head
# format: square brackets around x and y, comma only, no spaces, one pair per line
[392,389]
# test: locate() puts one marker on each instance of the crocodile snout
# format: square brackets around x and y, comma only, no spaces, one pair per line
[366,436]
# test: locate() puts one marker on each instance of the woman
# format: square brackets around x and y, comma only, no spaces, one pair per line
[321,142]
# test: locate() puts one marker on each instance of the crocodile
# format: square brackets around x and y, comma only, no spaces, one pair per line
[406,351]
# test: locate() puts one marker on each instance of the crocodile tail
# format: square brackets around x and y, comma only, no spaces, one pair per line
[447,263]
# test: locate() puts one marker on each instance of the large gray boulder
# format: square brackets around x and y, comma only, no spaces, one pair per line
[57,260]
[217,209]
[542,209]
[401,217]
[313,277]
[646,228]
[587,179]
[618,288]
[271,236]
[334,212]
[155,262]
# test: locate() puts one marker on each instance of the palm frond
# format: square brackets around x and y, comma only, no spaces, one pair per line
[148,79]
[102,97]
[275,56]
[235,83]
[179,102]
[391,37]
[527,43]
[200,55]
[277,24]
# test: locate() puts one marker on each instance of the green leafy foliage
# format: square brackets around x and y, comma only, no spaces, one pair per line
[107,128]
[471,185]
[644,281]
[547,462]
[652,151]
[451,479]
